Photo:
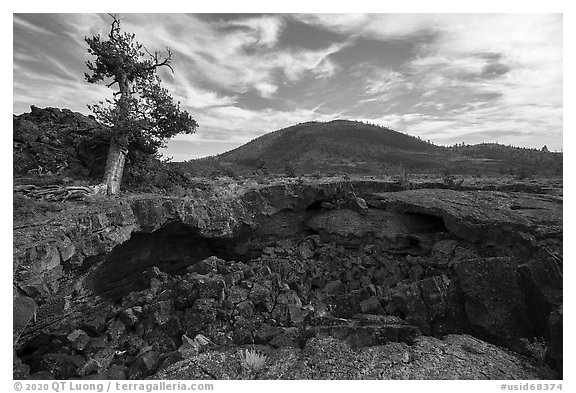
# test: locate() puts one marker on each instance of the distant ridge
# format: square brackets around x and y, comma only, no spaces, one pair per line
[356,147]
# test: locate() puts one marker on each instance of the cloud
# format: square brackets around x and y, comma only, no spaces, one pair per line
[385,81]
[231,124]
[266,89]
[445,77]
[265,29]
[31,27]
[500,74]
[40,89]
[237,56]
[195,97]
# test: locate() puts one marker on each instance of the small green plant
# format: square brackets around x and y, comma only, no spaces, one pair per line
[252,359]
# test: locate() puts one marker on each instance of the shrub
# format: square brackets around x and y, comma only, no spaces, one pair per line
[252,359]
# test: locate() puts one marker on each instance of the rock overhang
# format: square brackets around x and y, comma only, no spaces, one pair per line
[81,249]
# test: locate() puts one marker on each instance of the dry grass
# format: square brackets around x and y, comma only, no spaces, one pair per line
[252,359]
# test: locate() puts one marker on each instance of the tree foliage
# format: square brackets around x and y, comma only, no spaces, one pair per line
[141,114]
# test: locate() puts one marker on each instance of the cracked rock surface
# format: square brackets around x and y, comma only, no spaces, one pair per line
[328,282]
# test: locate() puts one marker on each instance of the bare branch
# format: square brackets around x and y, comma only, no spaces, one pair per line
[115,28]
[157,63]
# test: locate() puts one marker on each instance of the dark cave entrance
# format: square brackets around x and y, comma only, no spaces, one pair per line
[171,249]
[176,246]
[316,205]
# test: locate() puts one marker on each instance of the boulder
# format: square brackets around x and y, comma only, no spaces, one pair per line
[372,305]
[24,312]
[62,366]
[90,367]
[358,205]
[542,284]
[305,250]
[191,347]
[233,278]
[349,304]
[416,272]
[166,335]
[262,296]
[431,304]
[158,313]
[145,365]
[388,272]
[131,316]
[200,316]
[236,294]
[242,336]
[170,359]
[245,309]
[554,354]
[206,266]
[493,299]
[79,339]
[265,333]
[20,370]
[443,251]
[288,309]
[333,287]
[185,293]
[209,286]
[105,357]
[116,330]
[94,324]
[286,337]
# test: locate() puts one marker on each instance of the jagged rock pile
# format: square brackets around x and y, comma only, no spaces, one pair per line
[51,141]
[294,292]
[127,303]
[231,303]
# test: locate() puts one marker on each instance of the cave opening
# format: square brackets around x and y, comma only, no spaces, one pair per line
[316,205]
[428,222]
[171,249]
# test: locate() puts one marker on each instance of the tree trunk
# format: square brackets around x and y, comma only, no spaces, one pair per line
[114,168]
[116,153]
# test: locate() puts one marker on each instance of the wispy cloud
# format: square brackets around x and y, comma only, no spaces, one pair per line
[445,77]
[237,56]
[31,27]
[513,61]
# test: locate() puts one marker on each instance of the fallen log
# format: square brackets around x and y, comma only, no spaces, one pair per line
[55,192]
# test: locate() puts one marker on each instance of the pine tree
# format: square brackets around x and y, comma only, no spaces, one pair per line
[141,115]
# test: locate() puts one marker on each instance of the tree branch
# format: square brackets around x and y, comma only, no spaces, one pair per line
[115,28]
[157,63]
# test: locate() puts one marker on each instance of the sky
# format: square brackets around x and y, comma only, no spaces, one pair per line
[448,78]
